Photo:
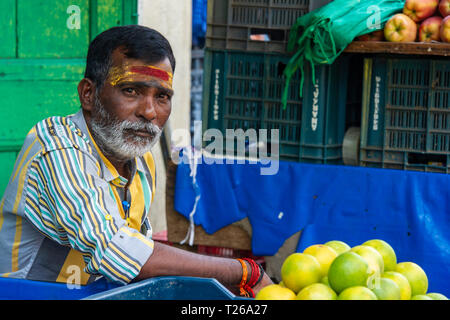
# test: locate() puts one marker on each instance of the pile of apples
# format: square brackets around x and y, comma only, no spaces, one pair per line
[421,20]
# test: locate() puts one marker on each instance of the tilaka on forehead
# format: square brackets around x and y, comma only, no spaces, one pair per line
[152,71]
[118,73]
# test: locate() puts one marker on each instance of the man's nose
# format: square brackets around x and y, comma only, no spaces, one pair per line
[147,108]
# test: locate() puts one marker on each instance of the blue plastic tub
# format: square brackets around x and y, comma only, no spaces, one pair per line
[20,289]
[169,288]
[160,288]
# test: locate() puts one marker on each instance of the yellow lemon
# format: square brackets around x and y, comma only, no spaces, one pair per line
[436,296]
[357,293]
[338,246]
[324,255]
[300,270]
[421,297]
[348,270]
[417,278]
[401,281]
[373,258]
[317,291]
[386,251]
[324,280]
[275,292]
[386,289]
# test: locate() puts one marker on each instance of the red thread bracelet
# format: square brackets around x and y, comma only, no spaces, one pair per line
[242,291]
[256,275]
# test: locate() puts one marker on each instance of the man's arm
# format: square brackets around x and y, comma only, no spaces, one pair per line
[170,261]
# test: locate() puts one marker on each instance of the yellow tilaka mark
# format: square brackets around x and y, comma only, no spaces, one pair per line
[117,74]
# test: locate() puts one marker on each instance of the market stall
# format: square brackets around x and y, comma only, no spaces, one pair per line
[387,179]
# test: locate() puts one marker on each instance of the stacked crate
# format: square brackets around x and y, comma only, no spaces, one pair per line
[245,57]
[406,114]
[240,24]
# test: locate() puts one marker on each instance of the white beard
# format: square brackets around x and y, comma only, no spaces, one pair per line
[111,136]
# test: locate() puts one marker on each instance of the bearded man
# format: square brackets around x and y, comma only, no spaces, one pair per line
[83,185]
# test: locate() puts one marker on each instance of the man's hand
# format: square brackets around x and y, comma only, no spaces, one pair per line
[264,282]
[167,260]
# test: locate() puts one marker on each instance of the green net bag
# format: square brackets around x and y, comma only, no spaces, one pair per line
[320,36]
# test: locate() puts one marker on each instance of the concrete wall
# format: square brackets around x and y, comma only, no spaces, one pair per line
[173,18]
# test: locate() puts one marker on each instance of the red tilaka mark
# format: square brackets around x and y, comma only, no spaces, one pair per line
[149,71]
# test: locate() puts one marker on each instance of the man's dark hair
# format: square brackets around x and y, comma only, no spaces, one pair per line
[138,42]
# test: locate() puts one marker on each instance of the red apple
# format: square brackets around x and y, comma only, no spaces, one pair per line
[429,29]
[419,10]
[400,28]
[373,36]
[445,30]
[444,7]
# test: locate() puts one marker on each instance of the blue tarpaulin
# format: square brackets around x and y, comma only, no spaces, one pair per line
[410,210]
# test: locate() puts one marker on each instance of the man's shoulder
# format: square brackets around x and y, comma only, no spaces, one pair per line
[58,132]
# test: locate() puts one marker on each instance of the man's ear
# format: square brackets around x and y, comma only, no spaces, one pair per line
[86,93]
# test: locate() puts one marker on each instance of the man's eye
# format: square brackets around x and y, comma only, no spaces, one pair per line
[129,91]
[164,96]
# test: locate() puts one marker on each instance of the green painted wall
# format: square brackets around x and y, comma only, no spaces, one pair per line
[42,59]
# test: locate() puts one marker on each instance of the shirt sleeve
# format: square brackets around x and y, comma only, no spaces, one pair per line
[69,202]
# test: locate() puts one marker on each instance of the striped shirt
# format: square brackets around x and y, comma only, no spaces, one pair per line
[61,217]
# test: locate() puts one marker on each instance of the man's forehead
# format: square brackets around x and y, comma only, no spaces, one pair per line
[126,70]
[120,60]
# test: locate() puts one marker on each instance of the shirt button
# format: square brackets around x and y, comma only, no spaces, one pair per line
[108,217]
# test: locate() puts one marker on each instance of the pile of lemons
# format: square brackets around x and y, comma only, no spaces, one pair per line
[336,271]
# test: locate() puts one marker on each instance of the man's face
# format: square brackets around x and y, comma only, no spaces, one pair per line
[132,107]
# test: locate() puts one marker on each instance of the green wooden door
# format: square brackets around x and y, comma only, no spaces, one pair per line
[42,59]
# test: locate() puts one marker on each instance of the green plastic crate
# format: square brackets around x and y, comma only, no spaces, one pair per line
[324,114]
[233,24]
[243,90]
[406,114]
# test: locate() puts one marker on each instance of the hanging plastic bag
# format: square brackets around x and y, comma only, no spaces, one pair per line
[320,36]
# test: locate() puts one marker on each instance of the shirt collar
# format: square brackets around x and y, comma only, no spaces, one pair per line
[139,165]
